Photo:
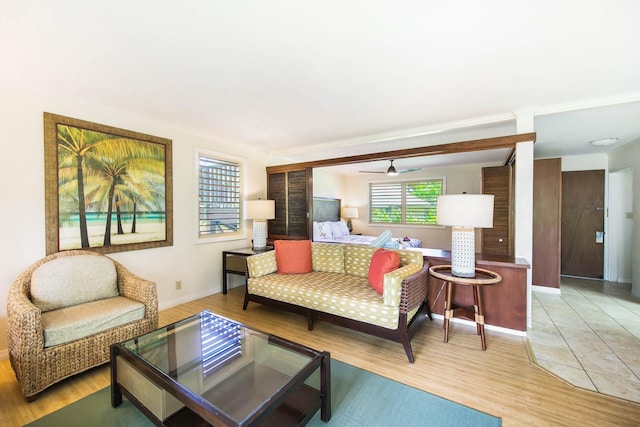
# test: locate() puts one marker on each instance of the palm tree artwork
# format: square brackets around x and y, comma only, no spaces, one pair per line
[101,174]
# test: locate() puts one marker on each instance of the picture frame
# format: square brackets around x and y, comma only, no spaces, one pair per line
[106,189]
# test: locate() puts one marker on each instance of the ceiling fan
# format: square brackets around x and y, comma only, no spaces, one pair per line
[392,171]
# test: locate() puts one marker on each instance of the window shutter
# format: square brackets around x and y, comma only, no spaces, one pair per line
[219,196]
[385,201]
[411,203]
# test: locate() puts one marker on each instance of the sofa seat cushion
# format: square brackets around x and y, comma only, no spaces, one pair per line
[334,293]
[78,321]
[73,280]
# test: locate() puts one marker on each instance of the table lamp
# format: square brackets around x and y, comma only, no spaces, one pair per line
[260,211]
[350,213]
[464,212]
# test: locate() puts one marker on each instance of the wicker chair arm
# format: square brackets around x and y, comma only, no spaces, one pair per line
[24,319]
[138,289]
[414,290]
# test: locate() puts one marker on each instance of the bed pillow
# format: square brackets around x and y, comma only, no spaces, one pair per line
[293,256]
[339,229]
[325,230]
[316,230]
[382,262]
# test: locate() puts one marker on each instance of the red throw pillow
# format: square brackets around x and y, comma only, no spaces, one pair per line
[293,256]
[382,262]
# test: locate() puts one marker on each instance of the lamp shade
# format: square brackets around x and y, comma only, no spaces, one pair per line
[260,209]
[350,212]
[465,210]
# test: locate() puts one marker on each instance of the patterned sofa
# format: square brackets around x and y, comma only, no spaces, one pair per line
[337,290]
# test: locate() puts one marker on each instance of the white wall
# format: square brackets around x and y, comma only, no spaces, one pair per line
[626,157]
[22,214]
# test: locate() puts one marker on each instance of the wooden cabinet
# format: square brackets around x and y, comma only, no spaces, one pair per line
[291,191]
[499,240]
[547,204]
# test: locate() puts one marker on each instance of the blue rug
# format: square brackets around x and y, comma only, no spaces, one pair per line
[359,398]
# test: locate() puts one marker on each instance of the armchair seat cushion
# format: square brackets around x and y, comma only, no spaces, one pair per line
[78,321]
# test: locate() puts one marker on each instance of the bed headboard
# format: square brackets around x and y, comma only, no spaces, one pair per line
[326,209]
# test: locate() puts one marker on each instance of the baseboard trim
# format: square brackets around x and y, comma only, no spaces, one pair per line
[183,300]
[486,326]
[545,289]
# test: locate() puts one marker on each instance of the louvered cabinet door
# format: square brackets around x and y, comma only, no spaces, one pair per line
[291,191]
[498,181]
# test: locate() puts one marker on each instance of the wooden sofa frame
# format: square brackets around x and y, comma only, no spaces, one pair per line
[413,294]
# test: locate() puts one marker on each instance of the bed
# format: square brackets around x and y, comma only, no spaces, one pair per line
[328,227]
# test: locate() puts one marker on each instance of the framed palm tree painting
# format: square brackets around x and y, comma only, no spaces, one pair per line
[106,189]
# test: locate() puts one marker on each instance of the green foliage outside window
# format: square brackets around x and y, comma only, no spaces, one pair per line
[413,203]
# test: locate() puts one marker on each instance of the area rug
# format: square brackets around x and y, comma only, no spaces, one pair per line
[359,398]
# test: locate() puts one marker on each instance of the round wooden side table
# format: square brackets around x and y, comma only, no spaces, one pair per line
[475,313]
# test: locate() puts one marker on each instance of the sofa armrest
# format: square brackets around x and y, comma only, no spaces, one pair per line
[392,283]
[414,290]
[262,264]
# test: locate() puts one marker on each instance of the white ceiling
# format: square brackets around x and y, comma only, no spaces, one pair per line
[307,80]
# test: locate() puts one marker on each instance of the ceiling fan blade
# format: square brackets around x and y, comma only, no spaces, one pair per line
[409,170]
[372,171]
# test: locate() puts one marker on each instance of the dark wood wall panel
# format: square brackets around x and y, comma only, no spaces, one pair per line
[498,181]
[547,198]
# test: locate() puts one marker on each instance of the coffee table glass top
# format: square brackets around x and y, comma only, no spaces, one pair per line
[236,369]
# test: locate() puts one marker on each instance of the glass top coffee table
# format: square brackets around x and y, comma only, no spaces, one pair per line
[209,370]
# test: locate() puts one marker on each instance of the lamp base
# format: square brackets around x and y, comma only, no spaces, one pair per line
[349,225]
[259,234]
[463,252]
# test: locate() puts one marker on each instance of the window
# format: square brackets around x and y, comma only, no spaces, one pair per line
[407,203]
[218,196]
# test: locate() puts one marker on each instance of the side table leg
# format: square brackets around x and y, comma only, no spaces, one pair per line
[479,315]
[224,273]
[448,312]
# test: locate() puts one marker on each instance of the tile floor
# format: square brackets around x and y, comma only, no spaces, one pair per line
[589,336]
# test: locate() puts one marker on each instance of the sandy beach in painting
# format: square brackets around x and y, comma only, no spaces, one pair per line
[145,232]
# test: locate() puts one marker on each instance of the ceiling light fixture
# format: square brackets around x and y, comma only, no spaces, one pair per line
[392,170]
[603,142]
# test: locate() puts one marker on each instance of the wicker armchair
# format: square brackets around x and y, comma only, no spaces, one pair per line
[37,367]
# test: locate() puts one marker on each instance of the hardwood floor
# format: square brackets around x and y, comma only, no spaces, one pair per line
[500,381]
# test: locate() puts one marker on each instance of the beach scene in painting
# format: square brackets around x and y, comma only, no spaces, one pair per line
[111,189]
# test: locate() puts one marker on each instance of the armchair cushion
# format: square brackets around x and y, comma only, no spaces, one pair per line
[82,320]
[68,281]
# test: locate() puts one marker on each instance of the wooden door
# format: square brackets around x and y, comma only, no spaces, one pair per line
[499,182]
[583,217]
[547,196]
